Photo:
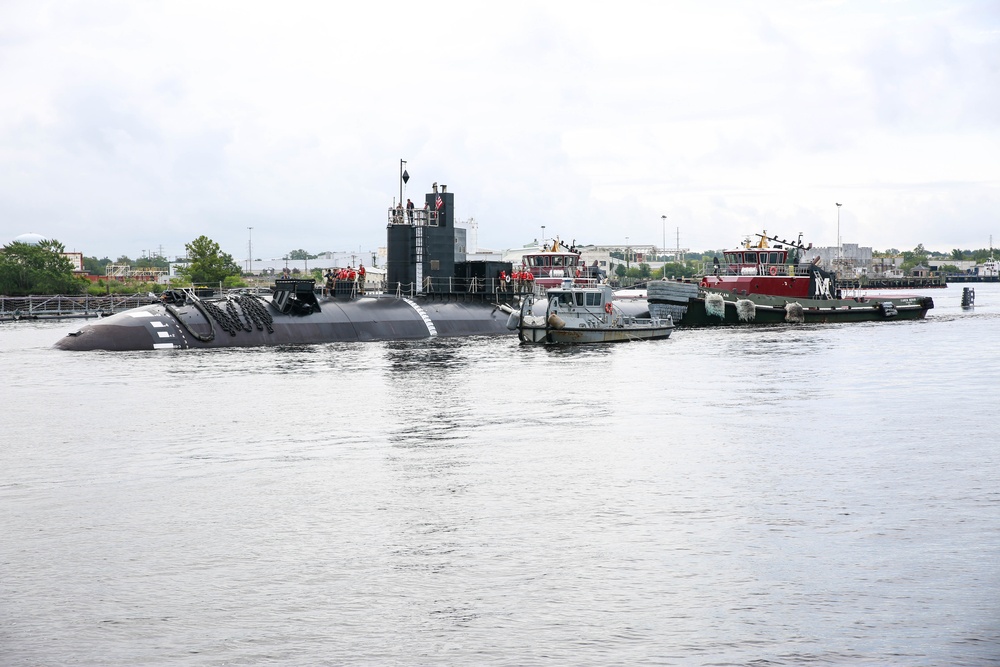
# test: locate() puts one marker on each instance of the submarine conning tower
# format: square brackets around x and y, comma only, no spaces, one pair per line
[424,254]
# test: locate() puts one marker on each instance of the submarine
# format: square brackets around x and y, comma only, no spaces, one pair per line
[430,291]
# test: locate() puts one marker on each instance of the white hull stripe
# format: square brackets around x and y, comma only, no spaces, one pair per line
[431,330]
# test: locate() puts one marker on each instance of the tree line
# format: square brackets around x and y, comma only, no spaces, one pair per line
[27,268]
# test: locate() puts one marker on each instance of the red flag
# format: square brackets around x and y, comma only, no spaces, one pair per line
[438,203]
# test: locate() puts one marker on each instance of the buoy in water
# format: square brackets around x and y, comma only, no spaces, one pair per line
[968,297]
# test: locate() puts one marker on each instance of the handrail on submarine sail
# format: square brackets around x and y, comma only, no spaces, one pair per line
[415,217]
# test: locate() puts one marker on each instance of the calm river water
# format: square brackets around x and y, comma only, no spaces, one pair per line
[755,496]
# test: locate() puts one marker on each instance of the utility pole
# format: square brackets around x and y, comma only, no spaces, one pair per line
[250,252]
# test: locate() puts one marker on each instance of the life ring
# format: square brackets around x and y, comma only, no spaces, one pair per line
[607,308]
[773,270]
[506,279]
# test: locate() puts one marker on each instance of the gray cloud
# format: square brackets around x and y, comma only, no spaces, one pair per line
[138,126]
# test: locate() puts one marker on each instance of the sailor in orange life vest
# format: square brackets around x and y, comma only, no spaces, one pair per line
[503,280]
[361,278]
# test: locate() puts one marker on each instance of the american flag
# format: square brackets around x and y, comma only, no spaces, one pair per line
[438,203]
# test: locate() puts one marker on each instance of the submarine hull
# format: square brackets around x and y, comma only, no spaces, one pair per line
[191,325]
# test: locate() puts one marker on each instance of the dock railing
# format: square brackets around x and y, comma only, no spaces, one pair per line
[64,306]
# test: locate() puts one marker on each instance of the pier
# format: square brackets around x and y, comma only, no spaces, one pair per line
[63,307]
[971,278]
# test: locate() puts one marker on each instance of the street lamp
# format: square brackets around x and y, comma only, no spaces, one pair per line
[250,252]
[543,235]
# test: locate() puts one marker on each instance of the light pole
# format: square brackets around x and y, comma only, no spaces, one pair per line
[838,236]
[663,249]
[250,252]
[627,254]
[543,235]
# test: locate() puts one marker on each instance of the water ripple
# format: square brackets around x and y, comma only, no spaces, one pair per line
[760,496]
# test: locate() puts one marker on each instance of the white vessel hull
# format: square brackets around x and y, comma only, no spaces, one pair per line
[569,336]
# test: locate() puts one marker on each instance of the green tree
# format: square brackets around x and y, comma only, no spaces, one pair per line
[644,270]
[982,254]
[94,266]
[152,262]
[206,263]
[958,254]
[677,270]
[26,269]
[914,257]
[300,254]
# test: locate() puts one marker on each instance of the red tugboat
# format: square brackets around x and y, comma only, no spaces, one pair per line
[761,283]
[777,270]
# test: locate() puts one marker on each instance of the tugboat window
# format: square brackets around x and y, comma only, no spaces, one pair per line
[593,299]
[579,298]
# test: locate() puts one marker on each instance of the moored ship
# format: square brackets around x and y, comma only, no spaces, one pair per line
[772,282]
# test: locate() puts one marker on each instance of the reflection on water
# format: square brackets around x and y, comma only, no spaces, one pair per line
[743,496]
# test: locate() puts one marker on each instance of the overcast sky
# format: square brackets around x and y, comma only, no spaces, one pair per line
[136,126]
